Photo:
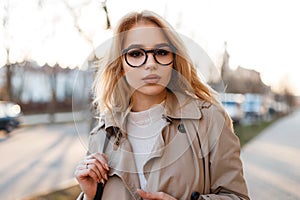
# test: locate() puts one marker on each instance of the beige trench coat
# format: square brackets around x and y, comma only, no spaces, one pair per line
[196,152]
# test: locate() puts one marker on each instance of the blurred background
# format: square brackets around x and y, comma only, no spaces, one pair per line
[48,50]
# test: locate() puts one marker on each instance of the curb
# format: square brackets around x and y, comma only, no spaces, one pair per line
[56,118]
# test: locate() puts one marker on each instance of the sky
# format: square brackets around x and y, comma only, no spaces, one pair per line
[260,34]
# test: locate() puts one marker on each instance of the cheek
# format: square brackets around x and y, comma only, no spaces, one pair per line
[133,79]
[166,74]
[132,76]
[125,67]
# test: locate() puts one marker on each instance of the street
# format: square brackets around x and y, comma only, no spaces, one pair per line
[272,162]
[40,158]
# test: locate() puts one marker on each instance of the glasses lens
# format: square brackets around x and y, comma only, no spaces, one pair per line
[135,57]
[164,55]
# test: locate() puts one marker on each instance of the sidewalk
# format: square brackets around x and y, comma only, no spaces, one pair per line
[272,161]
[46,118]
[40,157]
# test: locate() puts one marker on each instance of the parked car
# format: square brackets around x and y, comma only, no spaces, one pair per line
[254,107]
[232,104]
[234,110]
[9,116]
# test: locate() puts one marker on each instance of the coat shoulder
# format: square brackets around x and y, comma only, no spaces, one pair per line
[96,138]
[98,127]
[210,110]
[213,123]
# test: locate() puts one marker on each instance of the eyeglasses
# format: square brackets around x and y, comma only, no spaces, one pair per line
[136,56]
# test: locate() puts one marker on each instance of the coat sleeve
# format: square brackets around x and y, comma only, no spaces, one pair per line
[226,171]
[95,139]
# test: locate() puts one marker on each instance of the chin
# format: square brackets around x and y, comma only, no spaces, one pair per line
[152,89]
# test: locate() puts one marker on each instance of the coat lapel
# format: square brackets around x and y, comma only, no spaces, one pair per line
[122,164]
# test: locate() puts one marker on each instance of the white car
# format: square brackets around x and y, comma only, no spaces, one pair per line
[233,105]
[234,110]
[9,116]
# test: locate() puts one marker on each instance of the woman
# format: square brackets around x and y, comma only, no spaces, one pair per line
[161,134]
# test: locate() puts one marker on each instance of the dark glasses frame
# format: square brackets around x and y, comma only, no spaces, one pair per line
[153,51]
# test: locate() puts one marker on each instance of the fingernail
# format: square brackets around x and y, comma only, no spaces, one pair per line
[103,181]
[106,166]
[106,177]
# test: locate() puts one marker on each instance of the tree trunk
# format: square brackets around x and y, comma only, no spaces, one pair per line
[53,102]
[8,78]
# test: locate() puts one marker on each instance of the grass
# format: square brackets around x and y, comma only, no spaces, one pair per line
[245,134]
[248,132]
[70,193]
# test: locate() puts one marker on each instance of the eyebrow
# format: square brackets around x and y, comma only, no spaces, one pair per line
[142,46]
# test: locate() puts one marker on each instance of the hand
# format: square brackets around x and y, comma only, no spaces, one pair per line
[92,170]
[154,195]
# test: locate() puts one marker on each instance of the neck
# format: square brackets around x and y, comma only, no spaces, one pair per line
[143,102]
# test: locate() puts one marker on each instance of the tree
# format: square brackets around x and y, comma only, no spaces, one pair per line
[5,25]
[104,6]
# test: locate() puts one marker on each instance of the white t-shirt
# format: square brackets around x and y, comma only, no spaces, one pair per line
[143,128]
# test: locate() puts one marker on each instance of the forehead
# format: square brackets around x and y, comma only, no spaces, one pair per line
[147,35]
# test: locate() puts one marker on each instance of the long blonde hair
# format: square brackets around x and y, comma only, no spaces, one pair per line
[110,88]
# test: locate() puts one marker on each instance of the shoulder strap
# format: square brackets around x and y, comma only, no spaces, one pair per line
[100,186]
[99,192]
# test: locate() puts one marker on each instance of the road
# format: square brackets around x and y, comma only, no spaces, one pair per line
[272,161]
[43,157]
[40,158]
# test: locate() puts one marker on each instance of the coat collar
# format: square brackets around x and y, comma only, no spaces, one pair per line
[177,106]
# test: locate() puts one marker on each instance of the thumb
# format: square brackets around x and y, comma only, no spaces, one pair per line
[142,193]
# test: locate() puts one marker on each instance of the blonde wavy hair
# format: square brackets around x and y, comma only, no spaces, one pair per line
[110,87]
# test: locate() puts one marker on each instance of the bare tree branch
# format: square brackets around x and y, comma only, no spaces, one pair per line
[5,24]
[76,22]
[104,6]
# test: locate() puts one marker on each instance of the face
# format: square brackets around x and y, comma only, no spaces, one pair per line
[147,59]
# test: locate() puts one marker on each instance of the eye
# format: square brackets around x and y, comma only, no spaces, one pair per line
[162,52]
[135,53]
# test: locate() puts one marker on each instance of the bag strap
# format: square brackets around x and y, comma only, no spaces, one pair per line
[100,186]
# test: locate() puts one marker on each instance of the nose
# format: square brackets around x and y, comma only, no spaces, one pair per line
[150,62]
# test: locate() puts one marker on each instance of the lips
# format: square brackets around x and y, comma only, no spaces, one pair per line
[152,78]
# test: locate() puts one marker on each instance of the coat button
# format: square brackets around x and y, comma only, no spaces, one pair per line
[117,143]
[181,128]
[195,196]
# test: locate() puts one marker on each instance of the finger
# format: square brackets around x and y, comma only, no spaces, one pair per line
[95,165]
[93,175]
[87,166]
[81,173]
[94,168]
[101,156]
[103,173]
[102,159]
[84,173]
[148,195]
[154,195]
[81,166]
